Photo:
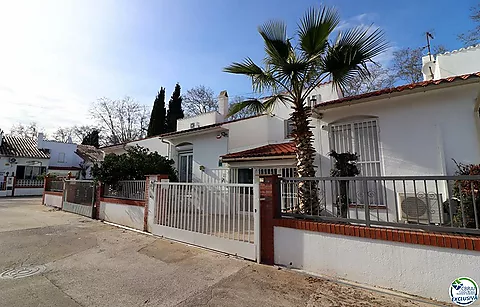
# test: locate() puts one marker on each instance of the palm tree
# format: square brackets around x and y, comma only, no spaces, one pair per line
[291,72]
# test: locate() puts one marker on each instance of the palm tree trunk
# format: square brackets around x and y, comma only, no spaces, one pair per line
[302,135]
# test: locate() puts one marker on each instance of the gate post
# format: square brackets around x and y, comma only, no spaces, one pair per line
[269,206]
[150,199]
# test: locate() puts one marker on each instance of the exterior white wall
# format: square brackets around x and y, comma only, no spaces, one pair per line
[322,93]
[153,144]
[419,133]
[420,270]
[6,166]
[28,191]
[255,132]
[207,150]
[53,200]
[454,63]
[199,120]
[56,148]
[126,215]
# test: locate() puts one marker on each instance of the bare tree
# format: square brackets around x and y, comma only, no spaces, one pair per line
[121,120]
[379,78]
[243,113]
[26,131]
[63,134]
[407,64]
[199,100]
[472,37]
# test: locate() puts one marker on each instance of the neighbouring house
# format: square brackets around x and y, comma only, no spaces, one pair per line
[63,157]
[21,161]
[211,148]
[90,155]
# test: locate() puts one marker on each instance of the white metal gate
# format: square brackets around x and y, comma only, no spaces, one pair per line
[223,217]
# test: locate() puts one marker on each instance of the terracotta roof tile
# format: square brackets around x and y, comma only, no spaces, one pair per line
[399,89]
[22,147]
[271,150]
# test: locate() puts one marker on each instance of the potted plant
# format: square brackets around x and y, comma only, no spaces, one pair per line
[345,166]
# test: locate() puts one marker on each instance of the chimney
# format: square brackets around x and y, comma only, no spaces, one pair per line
[40,140]
[223,104]
[1,137]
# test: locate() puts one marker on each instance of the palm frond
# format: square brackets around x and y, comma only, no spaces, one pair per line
[253,105]
[350,53]
[261,79]
[277,46]
[315,28]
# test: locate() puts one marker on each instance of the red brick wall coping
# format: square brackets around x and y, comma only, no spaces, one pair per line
[120,201]
[395,235]
[53,193]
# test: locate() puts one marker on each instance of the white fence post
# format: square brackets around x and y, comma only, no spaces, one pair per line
[256,218]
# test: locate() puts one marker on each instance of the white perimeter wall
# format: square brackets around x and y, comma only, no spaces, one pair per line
[28,191]
[126,215]
[419,134]
[420,270]
[53,200]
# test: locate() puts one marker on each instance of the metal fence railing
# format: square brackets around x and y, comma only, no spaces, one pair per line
[54,186]
[29,183]
[127,189]
[220,210]
[441,203]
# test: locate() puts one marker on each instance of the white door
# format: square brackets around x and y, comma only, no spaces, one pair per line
[185,166]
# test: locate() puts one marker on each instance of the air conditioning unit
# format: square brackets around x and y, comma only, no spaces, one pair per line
[420,208]
[194,125]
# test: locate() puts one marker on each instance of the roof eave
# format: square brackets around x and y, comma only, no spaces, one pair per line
[427,88]
[259,158]
[189,133]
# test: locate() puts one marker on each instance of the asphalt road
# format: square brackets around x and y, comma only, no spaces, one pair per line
[52,258]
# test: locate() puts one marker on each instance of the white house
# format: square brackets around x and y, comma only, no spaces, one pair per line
[63,157]
[22,158]
[414,129]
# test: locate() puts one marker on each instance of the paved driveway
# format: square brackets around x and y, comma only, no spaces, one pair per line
[82,262]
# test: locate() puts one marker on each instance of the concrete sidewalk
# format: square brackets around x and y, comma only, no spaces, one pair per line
[82,262]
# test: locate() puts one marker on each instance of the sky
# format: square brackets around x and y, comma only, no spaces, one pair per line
[58,56]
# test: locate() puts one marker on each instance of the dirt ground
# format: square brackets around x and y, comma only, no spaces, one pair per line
[76,261]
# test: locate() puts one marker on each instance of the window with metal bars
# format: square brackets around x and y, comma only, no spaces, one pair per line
[361,137]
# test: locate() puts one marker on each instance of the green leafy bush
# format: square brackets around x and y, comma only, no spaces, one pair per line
[133,165]
[467,192]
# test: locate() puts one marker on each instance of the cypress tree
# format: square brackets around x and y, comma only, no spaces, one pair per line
[157,123]
[92,138]
[175,110]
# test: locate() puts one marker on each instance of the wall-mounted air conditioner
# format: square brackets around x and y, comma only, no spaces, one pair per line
[194,125]
[420,208]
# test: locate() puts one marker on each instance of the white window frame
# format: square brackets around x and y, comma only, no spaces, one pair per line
[61,157]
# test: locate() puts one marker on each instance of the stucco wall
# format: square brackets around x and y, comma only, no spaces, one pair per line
[199,120]
[420,270]
[71,159]
[28,191]
[126,215]
[153,144]
[53,200]
[419,133]
[206,151]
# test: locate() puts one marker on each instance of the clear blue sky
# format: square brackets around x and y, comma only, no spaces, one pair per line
[61,55]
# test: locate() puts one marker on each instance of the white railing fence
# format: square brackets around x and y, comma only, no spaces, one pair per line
[29,183]
[126,189]
[443,203]
[221,210]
